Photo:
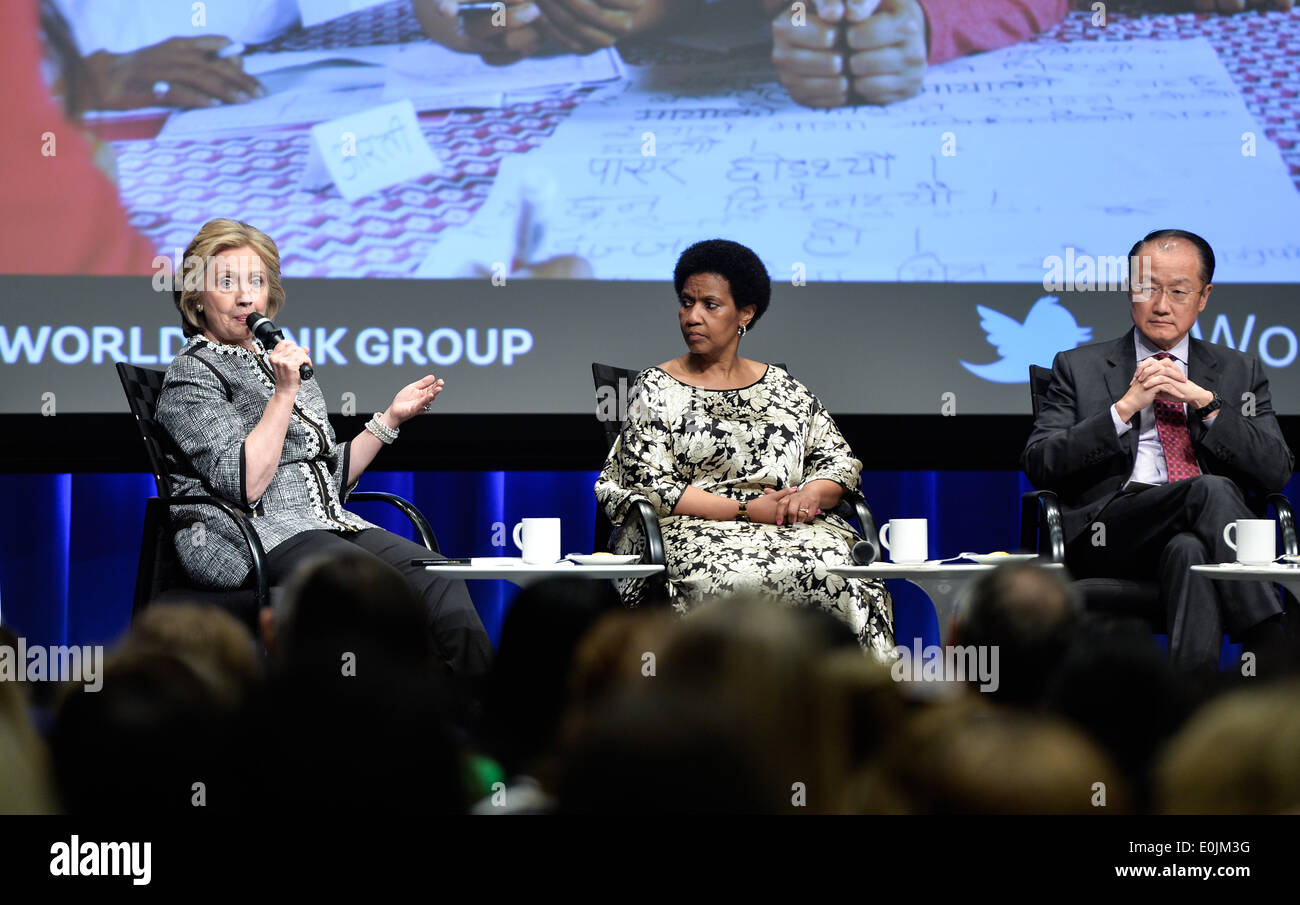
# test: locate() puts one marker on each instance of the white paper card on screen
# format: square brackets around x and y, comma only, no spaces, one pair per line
[368,151]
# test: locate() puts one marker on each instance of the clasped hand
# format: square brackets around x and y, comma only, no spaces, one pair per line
[1157,378]
[860,51]
[784,507]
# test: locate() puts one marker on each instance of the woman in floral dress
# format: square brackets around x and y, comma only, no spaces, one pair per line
[741,462]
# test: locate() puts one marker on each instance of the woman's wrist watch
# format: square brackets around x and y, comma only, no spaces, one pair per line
[742,514]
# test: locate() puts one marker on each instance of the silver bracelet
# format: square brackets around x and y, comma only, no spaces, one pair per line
[381,430]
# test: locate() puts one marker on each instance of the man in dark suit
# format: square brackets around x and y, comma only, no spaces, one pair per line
[1154,442]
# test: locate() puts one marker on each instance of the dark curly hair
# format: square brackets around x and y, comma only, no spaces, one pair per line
[741,268]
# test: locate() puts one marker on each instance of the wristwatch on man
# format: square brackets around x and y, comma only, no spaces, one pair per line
[1210,407]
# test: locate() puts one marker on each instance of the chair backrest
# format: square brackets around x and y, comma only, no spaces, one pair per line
[611,398]
[612,385]
[1040,379]
[142,386]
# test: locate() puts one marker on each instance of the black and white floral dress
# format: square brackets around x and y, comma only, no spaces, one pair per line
[734,443]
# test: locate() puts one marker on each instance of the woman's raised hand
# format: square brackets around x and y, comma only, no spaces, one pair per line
[414,398]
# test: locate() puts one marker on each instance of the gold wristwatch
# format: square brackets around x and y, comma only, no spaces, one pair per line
[742,515]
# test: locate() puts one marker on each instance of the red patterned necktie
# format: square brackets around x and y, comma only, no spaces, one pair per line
[1171,426]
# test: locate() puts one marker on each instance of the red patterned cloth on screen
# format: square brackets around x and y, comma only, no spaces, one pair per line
[956,29]
[61,214]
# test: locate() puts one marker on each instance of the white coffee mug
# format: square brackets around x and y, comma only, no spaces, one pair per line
[1254,539]
[540,540]
[910,539]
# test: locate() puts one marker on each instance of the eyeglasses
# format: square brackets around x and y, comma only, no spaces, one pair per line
[1146,293]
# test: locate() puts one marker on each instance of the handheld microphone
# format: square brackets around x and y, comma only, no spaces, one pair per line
[268,334]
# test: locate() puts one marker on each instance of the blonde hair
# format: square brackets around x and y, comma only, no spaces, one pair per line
[1239,754]
[212,239]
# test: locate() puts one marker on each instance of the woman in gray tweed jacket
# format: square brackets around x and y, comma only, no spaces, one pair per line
[250,430]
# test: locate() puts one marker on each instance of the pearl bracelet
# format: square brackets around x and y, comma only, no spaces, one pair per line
[381,430]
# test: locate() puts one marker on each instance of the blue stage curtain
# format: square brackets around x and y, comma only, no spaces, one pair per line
[70,544]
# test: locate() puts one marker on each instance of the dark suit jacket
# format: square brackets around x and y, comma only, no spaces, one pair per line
[1074,451]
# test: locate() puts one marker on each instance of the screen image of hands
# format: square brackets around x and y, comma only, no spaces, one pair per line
[179,72]
[506,32]
[833,53]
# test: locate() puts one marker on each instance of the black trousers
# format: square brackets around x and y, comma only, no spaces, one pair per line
[1160,532]
[457,632]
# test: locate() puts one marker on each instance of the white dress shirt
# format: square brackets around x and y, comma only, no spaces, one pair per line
[121,26]
[1149,467]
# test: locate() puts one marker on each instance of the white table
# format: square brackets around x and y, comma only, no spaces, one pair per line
[525,574]
[1288,576]
[946,584]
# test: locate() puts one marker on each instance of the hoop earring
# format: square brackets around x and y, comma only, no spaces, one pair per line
[742,330]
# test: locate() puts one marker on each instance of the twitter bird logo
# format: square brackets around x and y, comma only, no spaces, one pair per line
[1048,329]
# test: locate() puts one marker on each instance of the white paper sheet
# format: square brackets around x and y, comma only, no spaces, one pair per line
[311,86]
[1005,158]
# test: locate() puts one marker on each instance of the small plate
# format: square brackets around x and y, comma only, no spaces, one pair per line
[993,559]
[1290,557]
[928,564]
[597,559]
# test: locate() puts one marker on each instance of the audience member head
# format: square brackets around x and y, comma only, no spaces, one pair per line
[1029,614]
[730,692]
[612,655]
[529,687]
[1115,684]
[370,732]
[330,603]
[212,641]
[969,756]
[761,658]
[139,744]
[657,749]
[1239,754]
[859,706]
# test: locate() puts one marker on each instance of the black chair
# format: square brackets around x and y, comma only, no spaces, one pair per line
[1041,531]
[160,578]
[612,385]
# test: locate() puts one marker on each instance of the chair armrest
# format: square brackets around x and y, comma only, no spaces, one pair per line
[644,513]
[407,508]
[654,555]
[263,593]
[854,506]
[1041,509]
[1285,522]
